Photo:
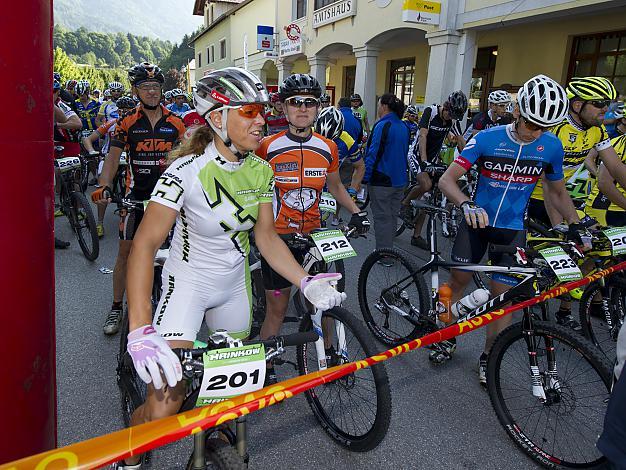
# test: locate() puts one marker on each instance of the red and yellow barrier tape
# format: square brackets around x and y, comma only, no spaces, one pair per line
[104,450]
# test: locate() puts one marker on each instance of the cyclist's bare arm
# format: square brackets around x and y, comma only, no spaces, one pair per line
[448,184]
[111,163]
[422,143]
[338,190]
[72,124]
[59,115]
[100,119]
[273,248]
[155,225]
[552,208]
[614,165]
[560,198]
[90,140]
[590,162]
[606,184]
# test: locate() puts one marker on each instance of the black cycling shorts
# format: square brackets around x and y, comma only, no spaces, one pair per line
[130,220]
[271,279]
[537,210]
[471,244]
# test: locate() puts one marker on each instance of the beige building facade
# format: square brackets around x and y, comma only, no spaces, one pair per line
[370,47]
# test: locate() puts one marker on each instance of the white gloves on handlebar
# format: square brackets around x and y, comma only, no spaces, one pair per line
[152,355]
[320,290]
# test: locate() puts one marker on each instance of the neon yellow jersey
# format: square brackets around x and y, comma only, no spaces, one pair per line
[597,200]
[577,142]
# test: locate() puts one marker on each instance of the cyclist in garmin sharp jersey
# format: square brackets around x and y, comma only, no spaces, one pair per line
[150,132]
[216,193]
[511,159]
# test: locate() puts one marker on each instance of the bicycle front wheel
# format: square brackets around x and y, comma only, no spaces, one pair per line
[354,410]
[219,455]
[560,428]
[393,297]
[132,388]
[84,225]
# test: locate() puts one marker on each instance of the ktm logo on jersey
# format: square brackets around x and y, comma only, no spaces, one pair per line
[154,145]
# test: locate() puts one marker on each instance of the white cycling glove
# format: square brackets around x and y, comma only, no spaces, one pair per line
[320,290]
[152,355]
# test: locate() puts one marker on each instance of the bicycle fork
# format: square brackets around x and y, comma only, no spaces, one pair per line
[550,379]
[319,326]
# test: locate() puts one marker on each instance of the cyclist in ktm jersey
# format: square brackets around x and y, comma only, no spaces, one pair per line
[303,163]
[216,191]
[151,131]
[510,160]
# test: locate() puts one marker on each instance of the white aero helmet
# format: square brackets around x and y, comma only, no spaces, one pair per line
[116,86]
[542,101]
[499,97]
[230,87]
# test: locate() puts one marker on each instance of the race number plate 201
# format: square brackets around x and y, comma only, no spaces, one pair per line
[229,372]
[328,203]
[563,266]
[333,245]
[617,235]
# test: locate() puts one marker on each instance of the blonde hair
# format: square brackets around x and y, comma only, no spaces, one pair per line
[192,145]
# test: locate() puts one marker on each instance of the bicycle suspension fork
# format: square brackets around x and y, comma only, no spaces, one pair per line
[342,348]
[550,380]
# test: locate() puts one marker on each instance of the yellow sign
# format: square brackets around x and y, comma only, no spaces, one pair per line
[424,12]
[419,99]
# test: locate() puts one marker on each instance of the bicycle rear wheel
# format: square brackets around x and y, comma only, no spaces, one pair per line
[560,431]
[84,225]
[355,410]
[390,293]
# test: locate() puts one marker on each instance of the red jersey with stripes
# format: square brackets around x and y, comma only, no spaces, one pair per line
[147,147]
[300,167]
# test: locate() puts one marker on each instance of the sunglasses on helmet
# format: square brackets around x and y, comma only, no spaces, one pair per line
[298,101]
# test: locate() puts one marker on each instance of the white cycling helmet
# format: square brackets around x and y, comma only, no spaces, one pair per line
[116,86]
[619,111]
[499,97]
[542,101]
[230,87]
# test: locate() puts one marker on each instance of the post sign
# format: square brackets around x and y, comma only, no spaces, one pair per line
[289,47]
[421,11]
[333,12]
[265,38]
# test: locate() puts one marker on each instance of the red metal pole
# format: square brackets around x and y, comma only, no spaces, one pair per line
[27,346]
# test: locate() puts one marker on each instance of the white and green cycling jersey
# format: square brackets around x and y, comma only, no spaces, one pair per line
[218,204]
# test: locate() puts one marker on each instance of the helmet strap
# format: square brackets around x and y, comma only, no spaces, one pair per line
[222,133]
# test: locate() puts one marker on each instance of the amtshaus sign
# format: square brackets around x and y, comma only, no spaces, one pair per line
[333,12]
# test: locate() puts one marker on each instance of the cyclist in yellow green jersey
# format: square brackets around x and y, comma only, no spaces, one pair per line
[581,132]
[607,201]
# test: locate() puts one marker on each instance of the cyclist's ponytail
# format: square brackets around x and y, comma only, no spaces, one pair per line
[193,144]
[394,104]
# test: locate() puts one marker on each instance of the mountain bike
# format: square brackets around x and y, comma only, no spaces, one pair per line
[211,378]
[74,204]
[548,385]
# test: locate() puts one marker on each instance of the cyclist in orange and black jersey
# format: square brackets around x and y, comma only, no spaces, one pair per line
[150,132]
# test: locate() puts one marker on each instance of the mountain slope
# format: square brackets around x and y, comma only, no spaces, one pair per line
[163,19]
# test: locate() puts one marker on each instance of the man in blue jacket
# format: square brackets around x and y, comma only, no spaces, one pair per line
[386,168]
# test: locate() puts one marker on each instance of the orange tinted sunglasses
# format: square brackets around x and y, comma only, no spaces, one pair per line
[251,110]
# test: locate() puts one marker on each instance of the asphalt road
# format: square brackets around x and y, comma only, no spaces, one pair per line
[441,417]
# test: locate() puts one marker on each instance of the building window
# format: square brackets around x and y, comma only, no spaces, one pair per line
[222,49]
[402,79]
[602,55]
[199,59]
[322,3]
[211,54]
[299,9]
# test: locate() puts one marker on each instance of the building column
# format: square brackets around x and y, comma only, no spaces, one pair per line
[365,80]
[466,59]
[317,67]
[442,65]
[284,70]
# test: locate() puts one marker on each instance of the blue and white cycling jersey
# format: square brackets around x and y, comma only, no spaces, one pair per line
[509,170]
[173,107]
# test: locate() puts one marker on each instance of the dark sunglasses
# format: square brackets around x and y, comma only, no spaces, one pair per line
[599,103]
[251,110]
[297,102]
[531,126]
